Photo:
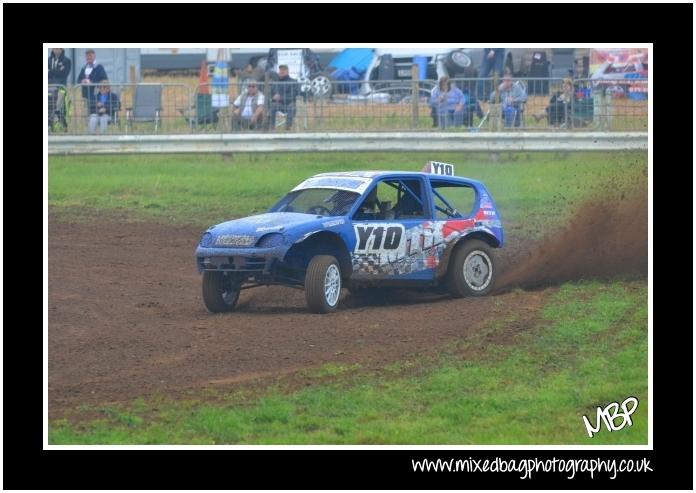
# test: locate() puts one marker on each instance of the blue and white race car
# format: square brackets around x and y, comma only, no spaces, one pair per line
[355,230]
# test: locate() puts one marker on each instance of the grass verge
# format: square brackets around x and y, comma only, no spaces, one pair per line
[531,190]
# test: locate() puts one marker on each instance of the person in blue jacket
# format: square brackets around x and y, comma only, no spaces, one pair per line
[512,96]
[91,74]
[103,108]
[449,103]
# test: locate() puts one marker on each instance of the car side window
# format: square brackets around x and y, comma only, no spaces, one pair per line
[453,201]
[322,201]
[392,199]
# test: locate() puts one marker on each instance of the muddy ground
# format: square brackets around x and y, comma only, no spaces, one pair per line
[126,318]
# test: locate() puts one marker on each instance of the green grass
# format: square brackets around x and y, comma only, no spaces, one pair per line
[590,349]
[531,190]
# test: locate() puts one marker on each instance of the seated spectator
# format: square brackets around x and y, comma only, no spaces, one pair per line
[512,99]
[103,108]
[248,109]
[559,110]
[284,93]
[449,103]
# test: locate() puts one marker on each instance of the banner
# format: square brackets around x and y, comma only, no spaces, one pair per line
[623,70]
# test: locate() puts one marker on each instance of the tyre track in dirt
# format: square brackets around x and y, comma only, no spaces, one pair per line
[126,319]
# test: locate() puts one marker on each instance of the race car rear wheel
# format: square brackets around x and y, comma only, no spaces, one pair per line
[323,284]
[219,292]
[472,270]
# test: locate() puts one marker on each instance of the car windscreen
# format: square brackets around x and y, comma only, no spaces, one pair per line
[321,201]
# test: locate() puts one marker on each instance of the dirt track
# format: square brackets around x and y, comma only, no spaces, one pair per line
[126,318]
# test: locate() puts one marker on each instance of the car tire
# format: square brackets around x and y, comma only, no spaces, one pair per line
[321,86]
[472,270]
[457,61]
[305,84]
[323,284]
[219,293]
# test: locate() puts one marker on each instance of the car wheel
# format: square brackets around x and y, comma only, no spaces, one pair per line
[219,293]
[305,83]
[457,61]
[472,270]
[321,86]
[323,284]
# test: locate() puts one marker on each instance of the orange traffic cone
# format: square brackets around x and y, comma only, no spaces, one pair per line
[203,85]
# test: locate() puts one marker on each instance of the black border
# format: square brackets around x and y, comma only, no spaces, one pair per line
[26,465]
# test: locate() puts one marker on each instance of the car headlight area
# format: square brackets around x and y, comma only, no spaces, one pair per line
[270,240]
[235,241]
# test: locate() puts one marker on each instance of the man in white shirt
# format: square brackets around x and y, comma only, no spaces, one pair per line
[248,109]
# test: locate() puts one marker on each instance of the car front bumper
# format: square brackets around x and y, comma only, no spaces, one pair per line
[249,260]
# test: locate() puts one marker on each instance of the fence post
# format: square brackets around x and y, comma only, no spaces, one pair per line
[73,116]
[190,105]
[495,107]
[414,95]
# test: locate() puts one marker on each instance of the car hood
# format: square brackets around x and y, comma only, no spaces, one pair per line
[280,222]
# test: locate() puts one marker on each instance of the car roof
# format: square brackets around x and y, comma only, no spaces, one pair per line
[383,174]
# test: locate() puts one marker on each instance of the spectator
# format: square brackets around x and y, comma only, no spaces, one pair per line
[103,108]
[559,110]
[512,99]
[493,59]
[284,92]
[58,70]
[449,103]
[91,74]
[58,67]
[248,109]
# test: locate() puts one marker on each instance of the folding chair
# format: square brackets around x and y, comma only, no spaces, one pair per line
[203,113]
[280,118]
[116,115]
[147,105]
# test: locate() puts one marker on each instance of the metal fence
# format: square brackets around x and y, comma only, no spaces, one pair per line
[125,109]
[352,106]
[248,142]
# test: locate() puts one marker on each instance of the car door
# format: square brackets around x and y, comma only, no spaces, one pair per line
[454,208]
[394,236]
